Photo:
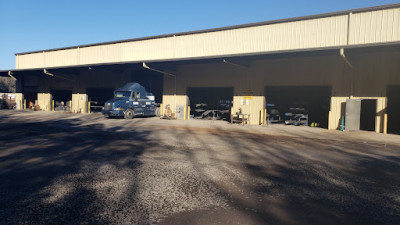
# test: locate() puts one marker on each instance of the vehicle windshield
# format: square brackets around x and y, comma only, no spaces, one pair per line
[122,94]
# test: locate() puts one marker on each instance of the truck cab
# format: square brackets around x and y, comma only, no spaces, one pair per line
[130,101]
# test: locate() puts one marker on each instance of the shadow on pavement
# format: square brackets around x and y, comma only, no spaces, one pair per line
[299,180]
[47,170]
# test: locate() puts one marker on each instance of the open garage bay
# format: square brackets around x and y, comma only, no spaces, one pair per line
[314,100]
[58,168]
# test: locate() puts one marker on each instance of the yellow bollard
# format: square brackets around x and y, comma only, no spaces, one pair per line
[265,116]
[52,106]
[329,120]
[188,115]
[161,110]
[89,107]
[70,106]
[24,103]
[385,123]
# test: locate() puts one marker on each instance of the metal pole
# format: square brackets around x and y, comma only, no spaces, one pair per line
[385,123]
[329,120]
[265,116]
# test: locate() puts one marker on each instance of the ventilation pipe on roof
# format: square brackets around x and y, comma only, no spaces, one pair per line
[47,73]
[346,60]
[58,76]
[165,73]
[234,64]
[10,74]
[159,71]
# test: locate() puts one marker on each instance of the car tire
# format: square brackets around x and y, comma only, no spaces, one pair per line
[128,114]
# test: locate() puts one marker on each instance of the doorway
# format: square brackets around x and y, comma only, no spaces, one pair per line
[210,102]
[315,100]
[368,114]
[98,97]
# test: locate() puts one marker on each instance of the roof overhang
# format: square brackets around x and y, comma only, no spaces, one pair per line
[243,59]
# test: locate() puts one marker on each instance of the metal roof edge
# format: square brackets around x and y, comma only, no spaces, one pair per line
[373,8]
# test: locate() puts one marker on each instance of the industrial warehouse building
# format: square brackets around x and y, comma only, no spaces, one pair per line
[322,62]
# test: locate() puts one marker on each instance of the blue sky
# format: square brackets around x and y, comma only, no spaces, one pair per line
[29,25]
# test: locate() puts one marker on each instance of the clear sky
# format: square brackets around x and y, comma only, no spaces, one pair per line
[29,25]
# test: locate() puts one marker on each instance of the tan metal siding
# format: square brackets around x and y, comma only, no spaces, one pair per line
[314,33]
[324,32]
[365,28]
[148,49]
[336,111]
[175,100]
[256,105]
[100,54]
[79,103]
[61,58]
[44,101]
[375,27]
[35,60]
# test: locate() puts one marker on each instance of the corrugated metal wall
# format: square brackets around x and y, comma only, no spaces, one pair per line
[375,27]
[365,28]
[35,60]
[68,56]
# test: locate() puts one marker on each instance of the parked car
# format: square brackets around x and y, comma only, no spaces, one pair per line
[274,116]
[301,120]
[289,118]
[296,116]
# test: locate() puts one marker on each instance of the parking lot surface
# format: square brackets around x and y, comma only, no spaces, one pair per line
[58,168]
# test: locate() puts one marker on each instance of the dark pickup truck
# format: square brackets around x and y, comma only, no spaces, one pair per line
[130,101]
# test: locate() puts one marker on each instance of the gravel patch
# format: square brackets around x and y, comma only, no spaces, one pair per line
[60,168]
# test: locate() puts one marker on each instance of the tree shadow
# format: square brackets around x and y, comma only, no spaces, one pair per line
[302,180]
[51,172]
[63,171]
